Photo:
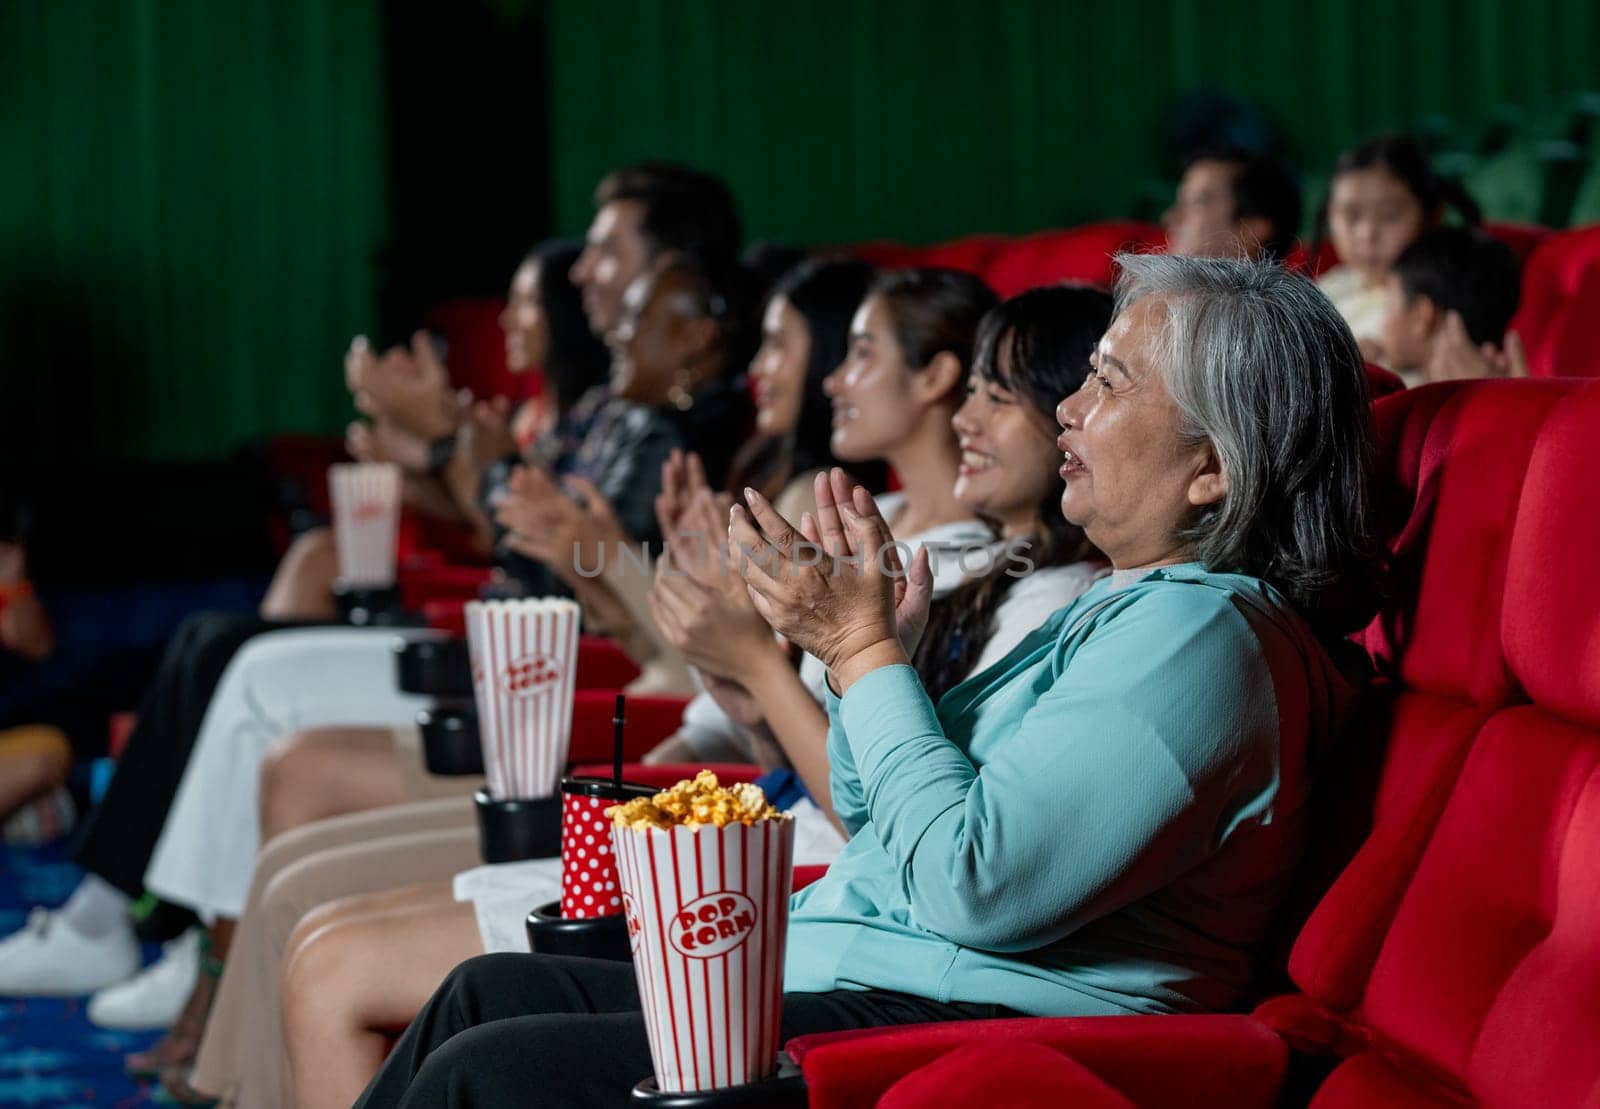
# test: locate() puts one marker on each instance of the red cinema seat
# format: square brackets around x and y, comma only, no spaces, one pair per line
[1559,317]
[1226,1062]
[1077,254]
[970,254]
[1523,238]
[1313,259]
[1487,989]
[475,348]
[649,721]
[1442,673]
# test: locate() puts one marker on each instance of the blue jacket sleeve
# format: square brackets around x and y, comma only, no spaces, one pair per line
[844,783]
[1157,735]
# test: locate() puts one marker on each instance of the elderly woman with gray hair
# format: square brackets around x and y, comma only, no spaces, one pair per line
[1104,821]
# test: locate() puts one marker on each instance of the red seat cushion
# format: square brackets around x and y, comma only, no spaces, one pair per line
[1015,1074]
[1219,1061]
[1489,979]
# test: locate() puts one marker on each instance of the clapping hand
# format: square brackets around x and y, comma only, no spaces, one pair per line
[837,588]
[701,607]
[547,524]
[683,477]
[411,390]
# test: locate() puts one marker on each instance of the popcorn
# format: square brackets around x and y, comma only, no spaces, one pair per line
[697,802]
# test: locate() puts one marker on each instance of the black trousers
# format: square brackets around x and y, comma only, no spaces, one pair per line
[541,1030]
[120,835]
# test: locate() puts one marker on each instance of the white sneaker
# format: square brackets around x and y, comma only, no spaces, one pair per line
[47,958]
[155,996]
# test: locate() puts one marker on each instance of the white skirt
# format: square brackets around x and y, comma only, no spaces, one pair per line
[279,682]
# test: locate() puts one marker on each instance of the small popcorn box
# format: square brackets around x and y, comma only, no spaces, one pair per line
[366,519]
[708,916]
[589,883]
[524,662]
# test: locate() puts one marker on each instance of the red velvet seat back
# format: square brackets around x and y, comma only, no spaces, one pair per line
[1451,464]
[1488,983]
[1559,317]
[1077,254]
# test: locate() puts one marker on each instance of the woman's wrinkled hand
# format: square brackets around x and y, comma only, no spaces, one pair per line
[837,588]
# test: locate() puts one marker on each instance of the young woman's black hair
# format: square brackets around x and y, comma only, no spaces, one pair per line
[577,360]
[1036,346]
[1406,159]
[934,310]
[826,293]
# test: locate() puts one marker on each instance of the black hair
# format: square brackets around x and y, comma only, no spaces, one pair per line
[770,262]
[725,297]
[684,210]
[826,293]
[934,310]
[1464,270]
[1263,186]
[1405,158]
[577,360]
[1036,346]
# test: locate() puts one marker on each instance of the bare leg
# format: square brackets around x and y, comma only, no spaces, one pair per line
[350,982]
[318,773]
[302,589]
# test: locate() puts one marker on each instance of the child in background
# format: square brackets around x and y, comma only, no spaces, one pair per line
[1447,302]
[1383,196]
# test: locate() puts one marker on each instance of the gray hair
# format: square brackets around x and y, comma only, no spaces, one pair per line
[1263,367]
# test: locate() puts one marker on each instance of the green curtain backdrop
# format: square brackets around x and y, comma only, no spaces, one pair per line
[925,119]
[191,196]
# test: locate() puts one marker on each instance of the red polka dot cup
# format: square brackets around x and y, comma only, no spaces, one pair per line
[589,884]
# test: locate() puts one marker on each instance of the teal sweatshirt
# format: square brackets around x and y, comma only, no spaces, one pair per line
[1102,822]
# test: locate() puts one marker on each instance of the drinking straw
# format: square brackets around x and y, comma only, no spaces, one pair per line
[616,741]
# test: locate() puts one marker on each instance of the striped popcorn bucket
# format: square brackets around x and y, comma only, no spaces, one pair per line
[708,916]
[366,516]
[524,660]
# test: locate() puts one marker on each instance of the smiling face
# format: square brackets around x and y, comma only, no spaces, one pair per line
[523,322]
[615,253]
[1009,457]
[778,371]
[1131,480]
[1372,217]
[875,407]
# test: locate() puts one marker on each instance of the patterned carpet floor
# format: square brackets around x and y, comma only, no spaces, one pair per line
[50,1055]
